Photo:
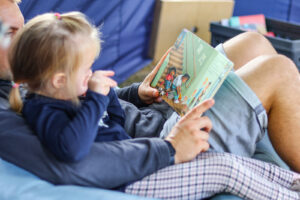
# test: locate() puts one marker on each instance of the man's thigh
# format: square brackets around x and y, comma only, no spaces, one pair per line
[238,117]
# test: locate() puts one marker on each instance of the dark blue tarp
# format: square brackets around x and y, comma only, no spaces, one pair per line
[286,10]
[277,9]
[295,11]
[125,27]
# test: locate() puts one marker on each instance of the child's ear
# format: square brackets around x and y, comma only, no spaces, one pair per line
[59,80]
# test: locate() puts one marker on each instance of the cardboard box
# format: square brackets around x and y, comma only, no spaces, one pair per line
[171,16]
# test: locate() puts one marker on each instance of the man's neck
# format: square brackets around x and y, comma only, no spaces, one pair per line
[5,77]
[4,80]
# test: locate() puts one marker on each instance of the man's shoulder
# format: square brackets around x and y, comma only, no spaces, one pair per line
[5,88]
[4,104]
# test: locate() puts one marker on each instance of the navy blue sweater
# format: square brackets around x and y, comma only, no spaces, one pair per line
[69,130]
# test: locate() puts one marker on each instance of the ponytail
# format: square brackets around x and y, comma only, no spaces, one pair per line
[15,99]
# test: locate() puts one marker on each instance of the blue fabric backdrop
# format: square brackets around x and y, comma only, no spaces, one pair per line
[286,10]
[295,11]
[125,27]
[277,9]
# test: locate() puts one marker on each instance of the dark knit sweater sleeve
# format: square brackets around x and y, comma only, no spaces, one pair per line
[130,94]
[114,109]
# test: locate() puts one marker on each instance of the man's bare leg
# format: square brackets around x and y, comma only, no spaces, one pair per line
[247,46]
[275,80]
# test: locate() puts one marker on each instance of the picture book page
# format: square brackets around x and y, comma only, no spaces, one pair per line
[191,72]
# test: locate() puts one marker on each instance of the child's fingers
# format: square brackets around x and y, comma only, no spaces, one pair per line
[109,82]
[103,80]
[104,73]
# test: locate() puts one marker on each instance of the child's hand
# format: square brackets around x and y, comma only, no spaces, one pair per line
[101,82]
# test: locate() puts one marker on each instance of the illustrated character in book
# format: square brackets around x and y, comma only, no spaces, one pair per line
[176,86]
[169,79]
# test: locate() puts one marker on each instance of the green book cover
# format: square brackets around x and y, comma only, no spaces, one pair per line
[192,72]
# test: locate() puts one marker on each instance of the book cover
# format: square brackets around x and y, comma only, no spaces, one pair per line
[191,72]
[255,23]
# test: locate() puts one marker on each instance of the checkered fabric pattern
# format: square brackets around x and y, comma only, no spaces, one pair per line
[211,173]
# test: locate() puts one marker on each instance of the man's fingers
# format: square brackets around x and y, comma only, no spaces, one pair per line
[152,92]
[202,135]
[205,147]
[199,124]
[197,111]
[158,99]
[205,124]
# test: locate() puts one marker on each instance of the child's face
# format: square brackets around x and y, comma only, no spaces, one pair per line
[84,72]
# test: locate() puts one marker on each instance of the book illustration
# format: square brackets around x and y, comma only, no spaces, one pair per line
[190,73]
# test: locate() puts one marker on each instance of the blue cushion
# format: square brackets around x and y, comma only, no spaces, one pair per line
[16,183]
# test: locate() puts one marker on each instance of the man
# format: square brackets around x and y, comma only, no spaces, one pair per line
[10,14]
[261,73]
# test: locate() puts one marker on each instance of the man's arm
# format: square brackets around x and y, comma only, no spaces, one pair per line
[130,94]
[108,165]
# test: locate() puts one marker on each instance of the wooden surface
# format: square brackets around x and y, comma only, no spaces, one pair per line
[171,16]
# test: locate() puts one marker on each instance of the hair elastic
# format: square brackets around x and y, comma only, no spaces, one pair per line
[57,15]
[15,85]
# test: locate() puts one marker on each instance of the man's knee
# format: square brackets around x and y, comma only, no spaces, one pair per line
[279,67]
[255,38]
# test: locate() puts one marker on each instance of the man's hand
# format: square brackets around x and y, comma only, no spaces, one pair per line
[101,82]
[189,136]
[147,93]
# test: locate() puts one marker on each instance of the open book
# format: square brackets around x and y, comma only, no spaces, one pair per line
[191,72]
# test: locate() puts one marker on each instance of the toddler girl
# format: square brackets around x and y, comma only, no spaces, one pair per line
[53,55]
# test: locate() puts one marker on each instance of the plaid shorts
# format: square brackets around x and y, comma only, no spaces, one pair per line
[211,173]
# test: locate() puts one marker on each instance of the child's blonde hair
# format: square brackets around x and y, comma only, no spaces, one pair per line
[48,44]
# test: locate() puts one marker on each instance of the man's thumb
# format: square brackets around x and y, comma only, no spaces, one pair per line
[153,92]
